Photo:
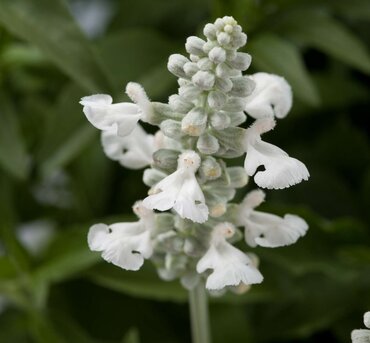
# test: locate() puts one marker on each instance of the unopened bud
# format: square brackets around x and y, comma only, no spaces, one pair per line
[217,210]
[238,177]
[238,39]
[189,92]
[217,55]
[242,61]
[219,24]
[194,46]
[194,58]
[153,176]
[171,128]
[194,123]
[175,261]
[208,46]
[223,71]
[176,63]
[223,38]
[178,104]
[236,118]
[235,105]
[360,336]
[210,169]
[207,144]
[220,120]
[216,99]
[204,80]
[367,319]
[210,31]
[205,64]
[166,159]
[223,84]
[242,86]
[190,68]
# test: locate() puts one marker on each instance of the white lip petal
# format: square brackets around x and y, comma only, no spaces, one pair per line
[272,96]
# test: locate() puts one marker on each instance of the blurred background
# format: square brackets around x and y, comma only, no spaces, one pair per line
[55,180]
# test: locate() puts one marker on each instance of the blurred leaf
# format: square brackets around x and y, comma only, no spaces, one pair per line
[330,36]
[135,54]
[48,25]
[13,155]
[132,337]
[274,54]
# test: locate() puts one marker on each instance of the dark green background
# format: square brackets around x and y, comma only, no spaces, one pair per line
[314,291]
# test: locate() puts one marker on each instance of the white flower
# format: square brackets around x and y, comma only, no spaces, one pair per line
[265,229]
[125,244]
[122,117]
[272,96]
[230,265]
[133,151]
[181,191]
[281,171]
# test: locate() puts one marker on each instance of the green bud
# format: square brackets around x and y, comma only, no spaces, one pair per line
[223,84]
[217,55]
[234,105]
[171,128]
[216,99]
[176,63]
[220,120]
[189,92]
[178,104]
[194,45]
[238,177]
[210,31]
[152,176]
[166,159]
[210,169]
[237,118]
[241,61]
[194,123]
[190,68]
[232,138]
[242,86]
[163,222]
[204,80]
[175,262]
[205,64]
[224,71]
[207,144]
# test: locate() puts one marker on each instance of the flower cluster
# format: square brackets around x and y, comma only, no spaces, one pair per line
[362,335]
[199,129]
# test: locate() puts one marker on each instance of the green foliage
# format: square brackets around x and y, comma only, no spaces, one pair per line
[52,167]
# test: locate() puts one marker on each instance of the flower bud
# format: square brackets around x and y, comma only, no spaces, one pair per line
[175,261]
[360,336]
[223,38]
[178,104]
[219,24]
[205,64]
[223,71]
[242,61]
[367,319]
[210,169]
[207,144]
[217,55]
[238,177]
[164,222]
[220,120]
[216,99]
[171,128]
[166,159]
[152,176]
[194,123]
[190,68]
[232,138]
[210,31]
[192,247]
[230,55]
[189,92]
[176,63]
[217,210]
[242,86]
[236,118]
[238,39]
[194,58]
[194,46]
[204,80]
[208,46]
[223,84]
[235,105]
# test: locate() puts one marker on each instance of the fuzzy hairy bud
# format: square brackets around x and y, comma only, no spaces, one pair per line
[194,123]
[207,144]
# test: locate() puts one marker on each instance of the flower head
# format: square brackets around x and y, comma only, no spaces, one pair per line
[265,229]
[125,244]
[281,170]
[230,265]
[181,191]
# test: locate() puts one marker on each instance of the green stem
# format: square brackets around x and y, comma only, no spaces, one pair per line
[199,314]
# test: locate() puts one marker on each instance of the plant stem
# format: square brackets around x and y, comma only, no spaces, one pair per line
[199,314]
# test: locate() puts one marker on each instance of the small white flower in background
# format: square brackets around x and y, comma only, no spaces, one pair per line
[230,265]
[265,229]
[281,170]
[272,97]
[362,335]
[121,117]
[188,171]
[133,151]
[125,244]
[181,191]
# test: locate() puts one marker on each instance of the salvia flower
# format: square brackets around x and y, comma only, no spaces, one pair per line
[187,169]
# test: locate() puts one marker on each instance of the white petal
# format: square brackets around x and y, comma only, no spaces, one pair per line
[123,244]
[269,230]
[281,171]
[104,115]
[272,96]
[133,151]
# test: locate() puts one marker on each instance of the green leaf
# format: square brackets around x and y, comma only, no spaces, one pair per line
[13,154]
[274,54]
[330,36]
[49,25]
